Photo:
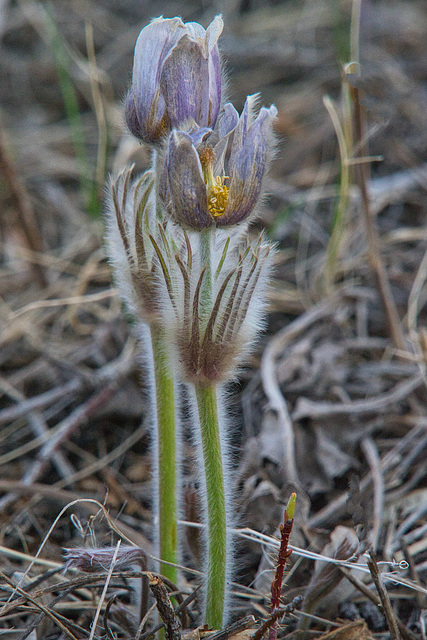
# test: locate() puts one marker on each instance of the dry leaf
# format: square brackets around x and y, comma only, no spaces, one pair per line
[353,631]
[327,576]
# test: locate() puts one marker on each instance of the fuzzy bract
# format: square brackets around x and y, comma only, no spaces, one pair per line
[219,183]
[176,79]
[131,220]
[210,342]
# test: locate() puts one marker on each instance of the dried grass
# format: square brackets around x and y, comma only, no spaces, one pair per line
[333,406]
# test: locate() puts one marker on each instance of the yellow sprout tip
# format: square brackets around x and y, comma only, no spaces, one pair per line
[290,509]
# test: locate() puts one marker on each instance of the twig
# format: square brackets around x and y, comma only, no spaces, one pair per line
[105,461]
[68,425]
[144,621]
[278,613]
[277,402]
[132,536]
[180,608]
[111,372]
[371,452]
[52,615]
[415,296]
[406,633]
[413,573]
[338,506]
[38,619]
[173,589]
[306,408]
[105,617]
[411,519]
[40,401]
[39,428]
[284,553]
[234,629]
[73,421]
[65,587]
[165,607]
[385,600]
[59,302]
[104,591]
[26,216]
[374,254]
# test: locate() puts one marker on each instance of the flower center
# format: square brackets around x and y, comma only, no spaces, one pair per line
[216,190]
[217,196]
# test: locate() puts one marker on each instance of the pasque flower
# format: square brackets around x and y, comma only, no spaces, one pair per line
[176,78]
[192,280]
[218,183]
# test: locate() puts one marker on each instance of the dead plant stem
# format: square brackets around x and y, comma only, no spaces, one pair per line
[371,453]
[385,600]
[51,614]
[25,213]
[361,172]
[360,586]
[165,608]
[234,629]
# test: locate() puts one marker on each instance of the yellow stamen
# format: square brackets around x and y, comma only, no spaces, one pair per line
[217,197]
[216,190]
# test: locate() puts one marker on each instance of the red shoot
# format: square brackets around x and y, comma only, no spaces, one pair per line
[284,553]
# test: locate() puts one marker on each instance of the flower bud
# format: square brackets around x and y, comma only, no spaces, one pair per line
[203,189]
[176,79]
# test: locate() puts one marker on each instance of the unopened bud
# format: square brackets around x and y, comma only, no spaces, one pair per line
[176,78]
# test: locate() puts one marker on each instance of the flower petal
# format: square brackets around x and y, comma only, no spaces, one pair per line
[196,33]
[145,107]
[248,169]
[214,31]
[187,188]
[227,125]
[212,34]
[199,135]
[185,84]
[241,129]
[229,120]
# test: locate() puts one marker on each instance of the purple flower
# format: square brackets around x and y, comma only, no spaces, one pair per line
[200,187]
[176,79]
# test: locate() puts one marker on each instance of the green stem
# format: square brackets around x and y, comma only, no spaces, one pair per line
[207,403]
[206,239]
[332,250]
[166,463]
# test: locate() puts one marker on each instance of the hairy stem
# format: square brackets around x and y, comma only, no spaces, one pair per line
[206,240]
[207,405]
[166,455]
